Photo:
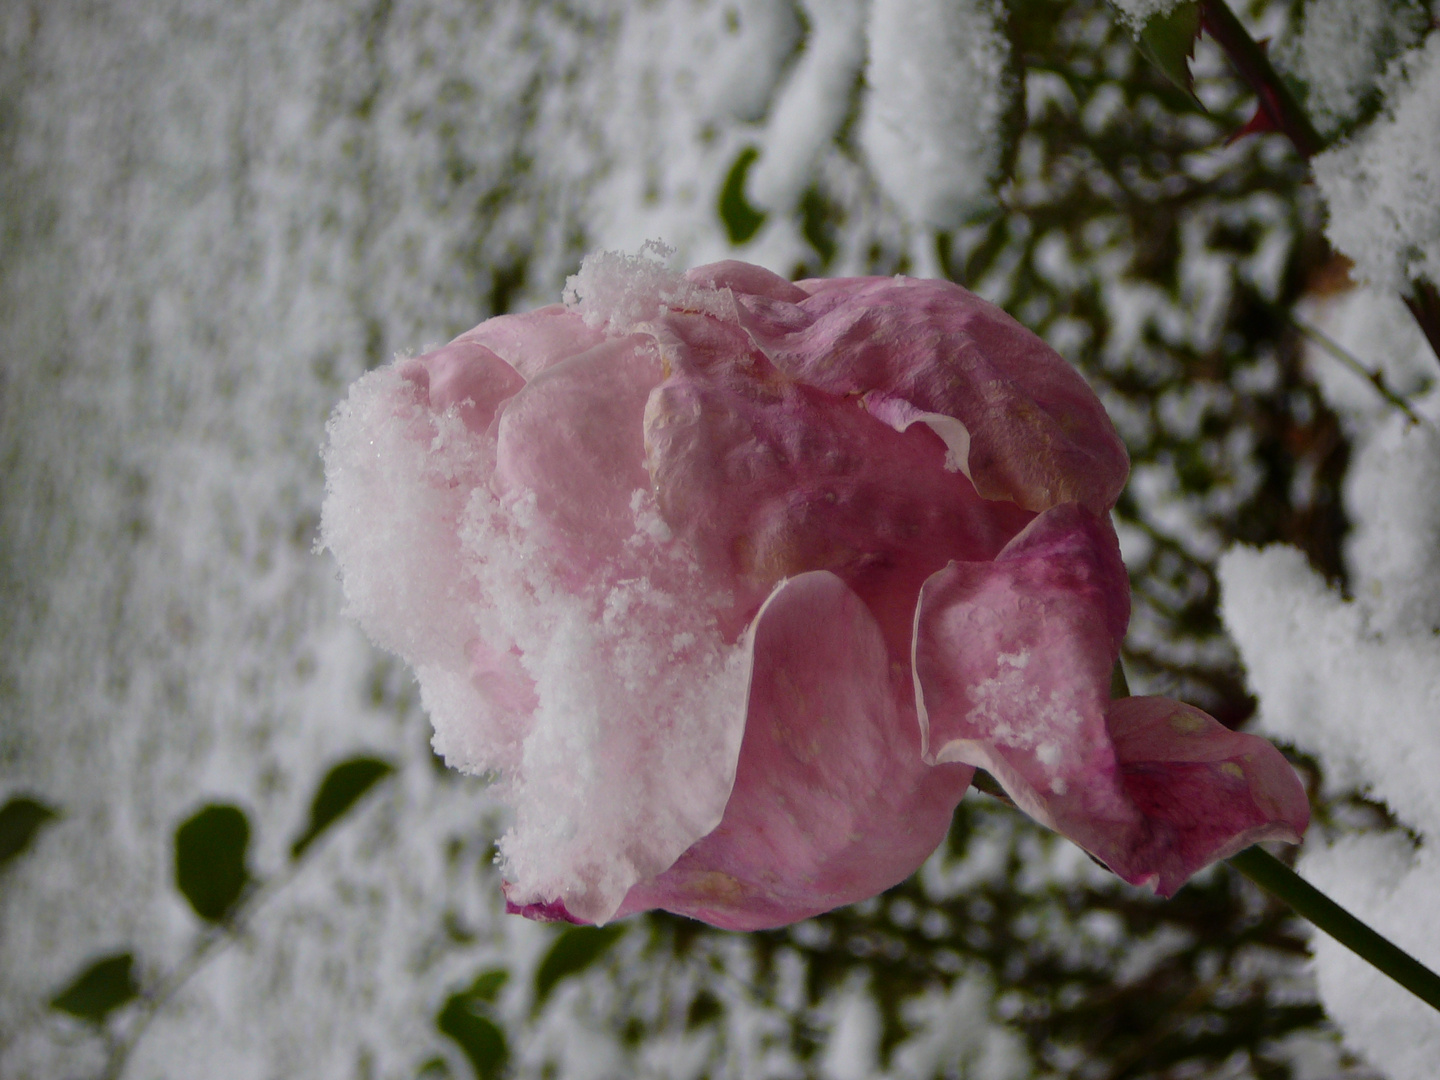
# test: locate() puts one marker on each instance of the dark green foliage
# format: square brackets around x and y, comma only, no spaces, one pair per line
[210,867]
[1168,42]
[20,820]
[464,1019]
[742,221]
[488,984]
[574,950]
[342,788]
[100,989]
[819,222]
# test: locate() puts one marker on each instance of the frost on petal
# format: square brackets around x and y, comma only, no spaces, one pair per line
[624,294]
[1012,665]
[766,478]
[574,439]
[831,803]
[559,633]
[1038,434]
[1206,792]
[397,477]
[400,477]
[636,706]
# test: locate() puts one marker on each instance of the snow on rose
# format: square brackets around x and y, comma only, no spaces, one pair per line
[731,583]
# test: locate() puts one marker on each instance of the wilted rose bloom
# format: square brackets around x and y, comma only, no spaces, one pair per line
[732,582]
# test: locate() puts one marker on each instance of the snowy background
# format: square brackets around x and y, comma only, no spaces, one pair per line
[215,215]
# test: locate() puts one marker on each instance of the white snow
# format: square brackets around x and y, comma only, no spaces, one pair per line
[1138,12]
[1356,682]
[1340,49]
[812,104]
[939,89]
[1382,186]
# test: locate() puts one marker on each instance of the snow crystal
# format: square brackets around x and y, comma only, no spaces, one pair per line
[624,292]
[1382,186]
[940,93]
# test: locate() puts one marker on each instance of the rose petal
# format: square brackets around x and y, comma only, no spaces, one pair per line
[746,279]
[831,802]
[766,478]
[1012,665]
[575,438]
[1206,791]
[468,377]
[1012,668]
[548,911]
[535,340]
[1038,434]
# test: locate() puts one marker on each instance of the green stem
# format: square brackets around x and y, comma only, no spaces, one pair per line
[1283,883]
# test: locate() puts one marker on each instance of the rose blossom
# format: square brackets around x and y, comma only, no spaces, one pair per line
[732,582]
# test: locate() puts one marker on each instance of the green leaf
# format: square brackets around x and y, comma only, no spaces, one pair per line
[742,221]
[100,989]
[478,1036]
[342,788]
[703,1009]
[574,951]
[1168,42]
[210,860]
[488,984]
[20,820]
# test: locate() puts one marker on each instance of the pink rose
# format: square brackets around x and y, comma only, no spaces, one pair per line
[732,582]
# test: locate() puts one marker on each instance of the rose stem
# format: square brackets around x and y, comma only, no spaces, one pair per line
[1309,902]
[1289,118]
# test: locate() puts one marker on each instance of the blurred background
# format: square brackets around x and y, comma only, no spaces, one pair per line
[226,844]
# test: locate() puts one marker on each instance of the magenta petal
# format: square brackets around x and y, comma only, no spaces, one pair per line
[831,802]
[1206,791]
[1037,434]
[546,911]
[765,478]
[1012,664]
[1012,670]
